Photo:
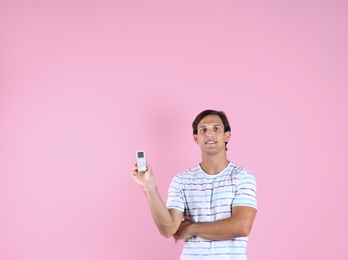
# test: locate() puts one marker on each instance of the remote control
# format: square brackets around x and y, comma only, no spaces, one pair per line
[141,161]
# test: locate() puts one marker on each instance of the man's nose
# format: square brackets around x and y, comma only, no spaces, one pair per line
[209,132]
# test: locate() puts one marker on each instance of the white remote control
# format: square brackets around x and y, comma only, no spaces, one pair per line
[141,160]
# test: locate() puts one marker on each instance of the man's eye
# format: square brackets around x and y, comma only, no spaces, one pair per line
[203,130]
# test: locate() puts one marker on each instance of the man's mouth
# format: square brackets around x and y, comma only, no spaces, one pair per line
[210,142]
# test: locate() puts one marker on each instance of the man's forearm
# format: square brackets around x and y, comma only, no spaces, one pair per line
[239,225]
[221,230]
[161,215]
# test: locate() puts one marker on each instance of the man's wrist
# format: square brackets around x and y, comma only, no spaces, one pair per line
[193,229]
[150,187]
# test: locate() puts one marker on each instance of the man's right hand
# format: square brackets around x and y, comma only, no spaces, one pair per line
[144,179]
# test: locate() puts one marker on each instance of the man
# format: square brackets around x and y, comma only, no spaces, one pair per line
[211,206]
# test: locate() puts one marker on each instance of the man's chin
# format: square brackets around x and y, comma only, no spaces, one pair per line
[211,151]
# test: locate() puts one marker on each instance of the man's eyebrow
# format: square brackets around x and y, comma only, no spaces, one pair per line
[202,126]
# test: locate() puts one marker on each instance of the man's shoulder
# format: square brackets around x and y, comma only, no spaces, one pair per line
[239,171]
[189,172]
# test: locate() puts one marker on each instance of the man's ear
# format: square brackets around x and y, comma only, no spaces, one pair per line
[227,136]
[195,138]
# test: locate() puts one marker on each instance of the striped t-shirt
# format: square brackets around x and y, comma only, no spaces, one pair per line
[209,198]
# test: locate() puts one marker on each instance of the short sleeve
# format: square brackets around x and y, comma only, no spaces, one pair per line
[175,195]
[245,194]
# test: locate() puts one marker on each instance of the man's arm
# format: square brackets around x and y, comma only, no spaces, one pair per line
[239,225]
[166,220]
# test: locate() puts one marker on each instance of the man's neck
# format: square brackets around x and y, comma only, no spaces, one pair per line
[213,164]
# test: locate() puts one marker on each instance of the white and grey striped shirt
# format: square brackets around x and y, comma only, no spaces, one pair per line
[209,198]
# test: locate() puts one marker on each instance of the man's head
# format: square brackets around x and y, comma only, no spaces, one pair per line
[225,124]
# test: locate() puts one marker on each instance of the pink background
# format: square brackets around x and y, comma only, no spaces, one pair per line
[83,84]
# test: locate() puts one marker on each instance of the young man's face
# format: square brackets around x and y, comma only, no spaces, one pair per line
[211,136]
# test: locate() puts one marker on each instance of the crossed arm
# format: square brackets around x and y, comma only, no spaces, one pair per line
[239,225]
[169,222]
